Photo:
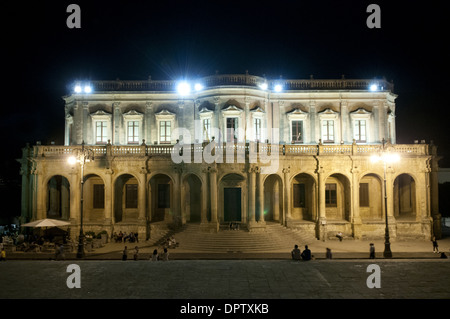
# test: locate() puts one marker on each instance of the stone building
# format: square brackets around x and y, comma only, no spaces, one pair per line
[234,148]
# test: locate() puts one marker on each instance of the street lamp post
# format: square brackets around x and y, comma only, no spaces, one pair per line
[386,158]
[83,156]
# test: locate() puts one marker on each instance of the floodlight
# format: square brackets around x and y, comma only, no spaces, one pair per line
[198,87]
[263,86]
[374,87]
[77,89]
[278,88]
[72,160]
[87,89]
[183,88]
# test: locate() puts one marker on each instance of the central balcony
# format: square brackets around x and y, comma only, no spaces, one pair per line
[252,148]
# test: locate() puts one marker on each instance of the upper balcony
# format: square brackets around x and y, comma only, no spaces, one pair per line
[54,151]
[235,80]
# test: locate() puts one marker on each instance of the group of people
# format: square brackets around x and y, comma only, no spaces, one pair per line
[299,255]
[123,237]
[164,256]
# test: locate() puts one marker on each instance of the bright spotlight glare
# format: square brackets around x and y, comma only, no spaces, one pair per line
[87,89]
[278,88]
[77,89]
[72,160]
[198,87]
[184,88]
[263,86]
[374,87]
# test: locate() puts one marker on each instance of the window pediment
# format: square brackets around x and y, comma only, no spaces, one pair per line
[361,113]
[165,114]
[231,110]
[297,114]
[205,113]
[133,115]
[101,115]
[328,114]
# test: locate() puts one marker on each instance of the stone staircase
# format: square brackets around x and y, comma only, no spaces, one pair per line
[275,238]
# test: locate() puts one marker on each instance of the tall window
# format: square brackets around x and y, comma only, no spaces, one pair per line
[131,196]
[299,195]
[99,196]
[231,129]
[364,194]
[328,131]
[100,132]
[257,129]
[297,132]
[206,129]
[164,132]
[360,131]
[330,195]
[133,132]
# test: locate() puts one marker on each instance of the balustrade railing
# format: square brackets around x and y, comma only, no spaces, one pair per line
[244,80]
[239,148]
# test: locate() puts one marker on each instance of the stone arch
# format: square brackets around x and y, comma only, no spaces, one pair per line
[273,198]
[337,197]
[371,195]
[58,197]
[405,207]
[303,200]
[126,198]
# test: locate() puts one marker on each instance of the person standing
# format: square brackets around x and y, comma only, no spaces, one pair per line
[136,253]
[125,254]
[328,254]
[3,255]
[372,251]
[154,255]
[435,245]
[165,255]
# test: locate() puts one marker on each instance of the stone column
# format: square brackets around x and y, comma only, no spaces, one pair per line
[251,195]
[260,196]
[322,220]
[312,121]
[345,123]
[204,209]
[214,225]
[142,190]
[355,218]
[287,197]
[149,115]
[109,190]
[86,129]
[178,197]
[116,139]
[390,203]
[42,190]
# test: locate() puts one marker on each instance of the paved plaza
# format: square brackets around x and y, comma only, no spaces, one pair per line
[226,279]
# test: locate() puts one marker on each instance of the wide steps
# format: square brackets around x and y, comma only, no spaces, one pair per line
[274,238]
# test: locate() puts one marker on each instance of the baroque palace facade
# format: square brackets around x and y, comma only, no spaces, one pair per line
[234,148]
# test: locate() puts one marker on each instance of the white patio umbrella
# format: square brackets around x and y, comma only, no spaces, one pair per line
[47,222]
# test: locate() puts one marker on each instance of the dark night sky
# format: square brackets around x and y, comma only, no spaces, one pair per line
[131,40]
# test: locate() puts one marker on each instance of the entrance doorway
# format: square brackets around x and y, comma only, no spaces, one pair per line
[232,204]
